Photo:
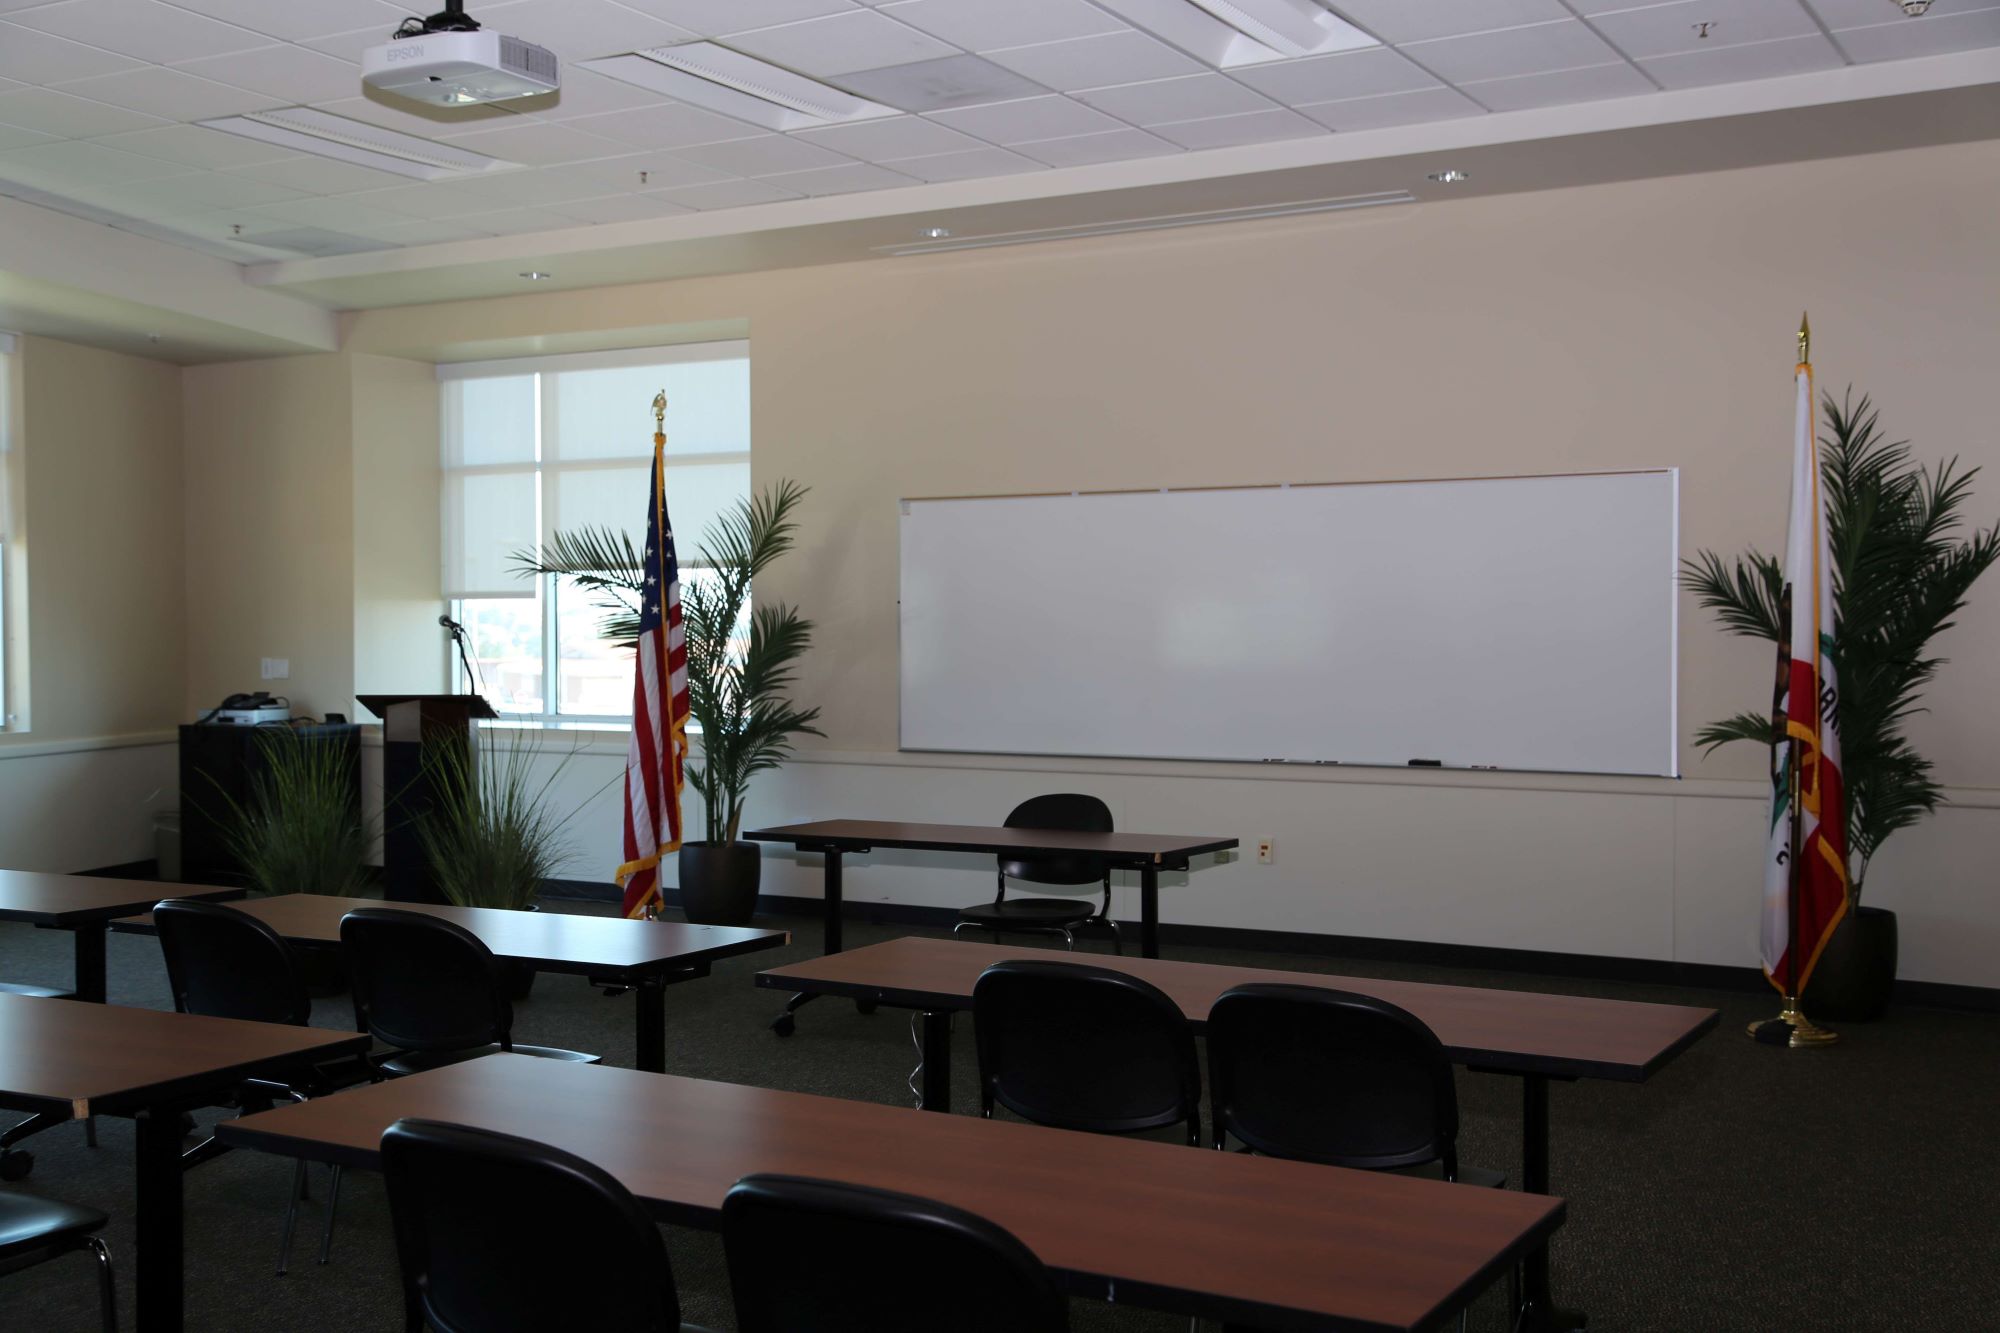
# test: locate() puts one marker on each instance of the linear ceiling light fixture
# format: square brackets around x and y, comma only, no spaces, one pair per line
[1164,222]
[714,76]
[1229,33]
[325,135]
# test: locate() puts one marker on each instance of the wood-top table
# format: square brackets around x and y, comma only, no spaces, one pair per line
[1536,1036]
[62,1059]
[82,905]
[648,956]
[1281,1245]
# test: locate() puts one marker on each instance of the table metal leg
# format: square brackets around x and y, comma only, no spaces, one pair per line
[651,996]
[1149,910]
[1539,1313]
[89,984]
[936,1085]
[784,1023]
[159,1276]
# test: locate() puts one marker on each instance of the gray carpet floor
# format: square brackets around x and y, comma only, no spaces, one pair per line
[1743,1187]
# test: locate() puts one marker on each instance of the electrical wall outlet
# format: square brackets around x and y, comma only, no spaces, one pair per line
[1265,853]
[277,668]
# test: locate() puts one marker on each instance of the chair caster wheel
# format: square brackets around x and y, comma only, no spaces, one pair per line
[784,1025]
[864,1006]
[16,1165]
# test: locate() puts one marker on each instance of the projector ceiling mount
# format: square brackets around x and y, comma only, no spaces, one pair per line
[448,60]
[452,18]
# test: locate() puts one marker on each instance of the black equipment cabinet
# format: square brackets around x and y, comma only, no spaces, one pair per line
[219,768]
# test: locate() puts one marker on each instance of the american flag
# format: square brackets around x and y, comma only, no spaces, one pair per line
[655,766]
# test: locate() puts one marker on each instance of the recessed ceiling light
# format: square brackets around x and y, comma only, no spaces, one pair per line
[935,233]
[535,275]
[1449,176]
[1228,33]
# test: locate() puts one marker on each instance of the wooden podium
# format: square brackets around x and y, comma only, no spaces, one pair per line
[409,721]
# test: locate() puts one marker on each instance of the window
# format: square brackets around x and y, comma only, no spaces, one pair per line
[548,444]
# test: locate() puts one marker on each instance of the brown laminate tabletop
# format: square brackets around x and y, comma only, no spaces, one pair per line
[1560,1036]
[101,1059]
[856,834]
[64,900]
[550,941]
[1283,1244]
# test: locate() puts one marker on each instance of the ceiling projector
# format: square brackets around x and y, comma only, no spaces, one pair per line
[448,60]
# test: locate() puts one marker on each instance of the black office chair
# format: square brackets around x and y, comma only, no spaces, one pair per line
[34,1231]
[1321,1075]
[1081,1047]
[498,1234]
[1069,811]
[814,1256]
[225,963]
[430,989]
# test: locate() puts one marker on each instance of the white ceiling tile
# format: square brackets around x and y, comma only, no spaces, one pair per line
[334,212]
[11,137]
[1415,20]
[202,191]
[842,44]
[1838,14]
[979,25]
[319,175]
[729,194]
[968,165]
[197,146]
[37,57]
[1513,51]
[426,231]
[1365,73]
[661,171]
[1096,62]
[1374,113]
[1750,60]
[582,29]
[765,156]
[1230,131]
[291,74]
[538,143]
[1195,97]
[53,166]
[1562,86]
[586,93]
[666,125]
[934,85]
[348,45]
[520,221]
[890,138]
[9,5]
[719,18]
[51,112]
[1673,29]
[295,20]
[416,118]
[622,208]
[430,200]
[1119,145]
[525,189]
[1049,117]
[1934,34]
[170,94]
[144,29]
[848,178]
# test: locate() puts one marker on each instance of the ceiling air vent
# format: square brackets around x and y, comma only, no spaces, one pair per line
[325,135]
[711,75]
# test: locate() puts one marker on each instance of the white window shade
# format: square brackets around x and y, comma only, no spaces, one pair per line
[708,409]
[615,497]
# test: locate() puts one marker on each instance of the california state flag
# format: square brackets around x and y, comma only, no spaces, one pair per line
[1805,899]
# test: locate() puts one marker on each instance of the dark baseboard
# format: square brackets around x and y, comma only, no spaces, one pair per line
[1533,962]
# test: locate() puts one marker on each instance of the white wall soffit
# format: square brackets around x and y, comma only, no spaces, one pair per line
[404,272]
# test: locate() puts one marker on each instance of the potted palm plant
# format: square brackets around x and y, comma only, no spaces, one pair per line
[1901,571]
[490,836]
[742,662]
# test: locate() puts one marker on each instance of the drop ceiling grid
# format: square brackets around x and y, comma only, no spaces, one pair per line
[96,97]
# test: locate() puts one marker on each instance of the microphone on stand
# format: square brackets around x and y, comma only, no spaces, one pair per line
[457,632]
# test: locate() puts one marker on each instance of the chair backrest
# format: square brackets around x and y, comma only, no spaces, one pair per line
[1082,1047]
[1329,1076]
[498,1234]
[225,963]
[422,983]
[813,1256]
[1071,812]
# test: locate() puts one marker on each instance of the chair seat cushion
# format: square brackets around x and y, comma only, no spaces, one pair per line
[1477,1176]
[28,1223]
[1035,911]
[415,1062]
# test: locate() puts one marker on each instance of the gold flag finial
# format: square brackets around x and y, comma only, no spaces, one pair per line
[660,410]
[1805,340]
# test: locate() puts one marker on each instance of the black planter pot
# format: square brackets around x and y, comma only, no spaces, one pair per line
[1856,971]
[719,882]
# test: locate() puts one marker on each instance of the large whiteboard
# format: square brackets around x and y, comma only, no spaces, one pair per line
[1517,622]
